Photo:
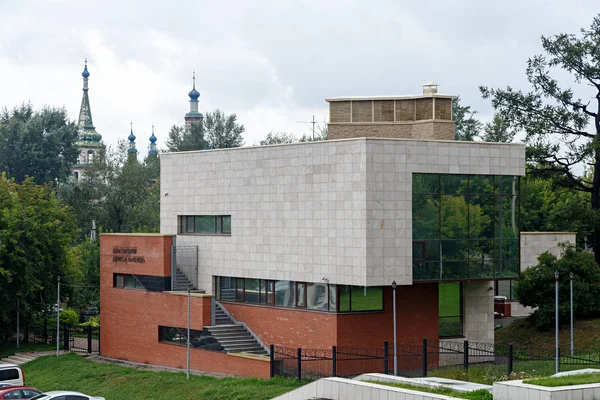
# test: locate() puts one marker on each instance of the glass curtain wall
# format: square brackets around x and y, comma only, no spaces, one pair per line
[465,227]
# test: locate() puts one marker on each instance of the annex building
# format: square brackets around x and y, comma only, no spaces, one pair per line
[298,245]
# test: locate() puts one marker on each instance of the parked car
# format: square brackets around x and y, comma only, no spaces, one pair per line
[18,392]
[12,374]
[64,395]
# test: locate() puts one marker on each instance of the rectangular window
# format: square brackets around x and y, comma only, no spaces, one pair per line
[450,309]
[205,224]
[226,288]
[252,291]
[465,226]
[127,281]
[239,290]
[285,294]
[198,338]
[316,296]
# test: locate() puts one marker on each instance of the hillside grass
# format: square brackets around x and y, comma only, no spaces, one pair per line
[480,394]
[522,334]
[10,348]
[581,379]
[114,382]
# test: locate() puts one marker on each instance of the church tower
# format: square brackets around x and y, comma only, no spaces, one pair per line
[131,151]
[152,149]
[89,140]
[193,115]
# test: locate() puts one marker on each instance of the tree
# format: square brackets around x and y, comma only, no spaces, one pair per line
[40,144]
[498,130]
[36,234]
[182,139]
[562,130]
[278,138]
[537,286]
[466,126]
[223,131]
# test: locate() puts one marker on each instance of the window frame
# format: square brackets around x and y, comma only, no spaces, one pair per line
[137,284]
[183,225]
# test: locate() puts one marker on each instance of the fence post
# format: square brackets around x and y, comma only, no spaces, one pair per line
[424,357]
[89,339]
[272,360]
[510,359]
[45,333]
[66,346]
[385,358]
[26,336]
[334,359]
[99,341]
[299,363]
[466,354]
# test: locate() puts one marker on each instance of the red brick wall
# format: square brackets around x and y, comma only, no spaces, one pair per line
[156,250]
[287,327]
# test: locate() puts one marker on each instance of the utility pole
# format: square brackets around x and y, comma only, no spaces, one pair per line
[58,317]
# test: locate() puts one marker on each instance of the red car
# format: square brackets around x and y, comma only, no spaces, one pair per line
[18,392]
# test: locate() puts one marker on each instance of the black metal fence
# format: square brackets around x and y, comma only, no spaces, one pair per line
[419,360]
[77,338]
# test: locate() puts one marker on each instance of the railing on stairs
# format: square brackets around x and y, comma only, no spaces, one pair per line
[184,267]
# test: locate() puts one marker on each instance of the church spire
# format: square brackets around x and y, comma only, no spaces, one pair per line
[152,151]
[131,138]
[87,131]
[193,115]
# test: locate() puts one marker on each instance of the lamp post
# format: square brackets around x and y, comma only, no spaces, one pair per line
[395,348]
[188,334]
[571,295]
[556,367]
[58,316]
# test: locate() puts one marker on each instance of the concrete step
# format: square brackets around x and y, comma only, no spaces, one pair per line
[233,342]
[243,349]
[241,335]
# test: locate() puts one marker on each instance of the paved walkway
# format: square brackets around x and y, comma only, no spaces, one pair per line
[22,358]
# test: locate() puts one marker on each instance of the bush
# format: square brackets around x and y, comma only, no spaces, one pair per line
[69,316]
[537,287]
[93,321]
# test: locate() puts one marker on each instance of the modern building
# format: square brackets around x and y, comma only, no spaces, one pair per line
[89,141]
[299,245]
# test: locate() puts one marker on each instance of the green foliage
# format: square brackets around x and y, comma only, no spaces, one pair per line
[466,126]
[562,130]
[40,144]
[537,287]
[69,316]
[93,321]
[481,394]
[498,130]
[181,139]
[36,233]
[278,138]
[549,207]
[73,372]
[223,131]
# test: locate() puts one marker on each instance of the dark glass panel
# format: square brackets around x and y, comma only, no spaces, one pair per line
[285,293]
[316,296]
[508,217]
[454,218]
[189,225]
[455,250]
[482,184]
[426,271]
[482,217]
[129,282]
[344,302]
[454,184]
[426,183]
[481,250]
[366,298]
[507,185]
[432,250]
[332,298]
[227,224]
[418,253]
[270,292]
[239,293]
[507,269]
[252,291]
[510,249]
[426,217]
[205,224]
[300,295]
[455,270]
[227,288]
[482,269]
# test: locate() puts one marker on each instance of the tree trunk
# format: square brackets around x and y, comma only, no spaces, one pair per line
[596,200]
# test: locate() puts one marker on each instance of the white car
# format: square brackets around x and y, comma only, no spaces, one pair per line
[64,395]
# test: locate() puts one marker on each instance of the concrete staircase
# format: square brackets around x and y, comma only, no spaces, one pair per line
[181,281]
[19,358]
[234,337]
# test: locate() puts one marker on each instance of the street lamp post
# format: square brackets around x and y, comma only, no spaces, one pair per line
[556,367]
[395,348]
[188,334]
[58,316]
[571,295]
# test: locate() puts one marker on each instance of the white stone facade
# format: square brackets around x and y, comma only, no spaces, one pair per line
[535,243]
[339,210]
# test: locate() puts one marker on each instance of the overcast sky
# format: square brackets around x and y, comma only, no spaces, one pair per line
[272,63]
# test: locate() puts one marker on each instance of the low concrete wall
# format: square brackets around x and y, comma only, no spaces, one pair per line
[517,390]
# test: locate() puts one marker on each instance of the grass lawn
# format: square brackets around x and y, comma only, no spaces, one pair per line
[481,394]
[10,348]
[522,334]
[73,372]
[449,309]
[582,379]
